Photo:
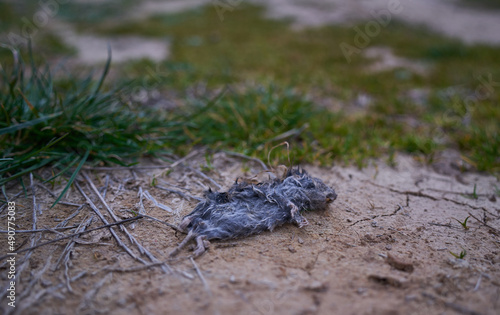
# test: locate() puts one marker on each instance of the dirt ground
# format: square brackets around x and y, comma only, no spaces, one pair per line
[383,247]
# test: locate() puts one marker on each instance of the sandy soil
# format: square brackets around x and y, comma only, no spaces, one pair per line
[383,247]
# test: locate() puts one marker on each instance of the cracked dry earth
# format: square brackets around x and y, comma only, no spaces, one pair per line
[383,247]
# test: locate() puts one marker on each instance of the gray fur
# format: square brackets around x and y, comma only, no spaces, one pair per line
[247,209]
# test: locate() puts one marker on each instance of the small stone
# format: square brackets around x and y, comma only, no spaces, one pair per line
[301,241]
[388,246]
[316,286]
[399,263]
[458,263]
[361,291]
[387,280]
[374,224]
[291,249]
[121,302]
[232,279]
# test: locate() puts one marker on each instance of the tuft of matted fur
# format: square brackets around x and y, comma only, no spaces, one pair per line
[247,208]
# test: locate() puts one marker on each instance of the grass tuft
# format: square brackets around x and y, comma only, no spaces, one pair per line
[46,122]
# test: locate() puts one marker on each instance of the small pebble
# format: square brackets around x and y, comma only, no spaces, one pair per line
[458,263]
[291,249]
[316,286]
[361,291]
[388,246]
[301,241]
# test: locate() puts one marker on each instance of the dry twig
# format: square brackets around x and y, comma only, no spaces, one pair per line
[76,234]
[132,239]
[203,175]
[264,166]
[180,193]
[198,271]
[67,250]
[117,238]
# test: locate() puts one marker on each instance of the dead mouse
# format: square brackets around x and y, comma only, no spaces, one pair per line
[248,208]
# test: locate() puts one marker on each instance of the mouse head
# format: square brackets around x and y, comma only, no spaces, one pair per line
[319,194]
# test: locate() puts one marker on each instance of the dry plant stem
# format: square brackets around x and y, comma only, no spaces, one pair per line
[124,168]
[76,234]
[47,190]
[110,211]
[178,162]
[142,210]
[53,230]
[106,184]
[65,254]
[74,214]
[264,166]
[484,223]
[11,199]
[180,193]
[68,282]
[173,226]
[32,299]
[89,296]
[117,238]
[198,271]
[172,185]
[33,238]
[201,174]
[289,133]
[35,279]
[70,204]
[27,303]
[132,269]
[34,200]
[132,239]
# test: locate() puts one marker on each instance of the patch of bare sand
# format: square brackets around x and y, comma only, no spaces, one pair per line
[472,25]
[92,49]
[385,59]
[383,247]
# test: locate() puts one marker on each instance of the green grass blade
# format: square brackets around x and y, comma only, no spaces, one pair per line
[28,124]
[62,171]
[72,178]
[4,193]
[208,106]
[104,74]
[25,171]
[50,144]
